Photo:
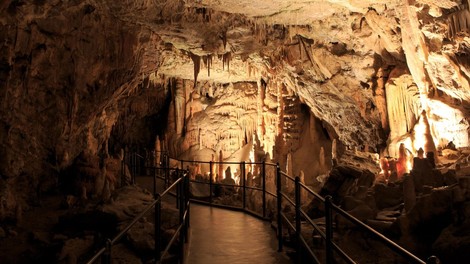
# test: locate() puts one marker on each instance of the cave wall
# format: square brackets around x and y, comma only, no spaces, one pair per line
[65,69]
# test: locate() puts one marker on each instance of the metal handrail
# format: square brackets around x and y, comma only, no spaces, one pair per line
[300,214]
[405,253]
[182,183]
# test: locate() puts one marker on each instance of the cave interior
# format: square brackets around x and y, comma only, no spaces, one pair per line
[367,101]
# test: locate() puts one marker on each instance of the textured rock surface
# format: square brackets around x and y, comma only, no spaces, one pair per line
[247,78]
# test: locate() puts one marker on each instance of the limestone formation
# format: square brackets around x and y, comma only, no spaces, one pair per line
[85,83]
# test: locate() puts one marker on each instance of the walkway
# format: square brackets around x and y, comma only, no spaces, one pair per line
[224,236]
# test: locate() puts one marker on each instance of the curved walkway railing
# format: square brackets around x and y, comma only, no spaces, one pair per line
[181,186]
[288,190]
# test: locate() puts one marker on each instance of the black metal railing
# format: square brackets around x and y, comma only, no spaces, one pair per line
[282,195]
[181,185]
[326,233]
[292,196]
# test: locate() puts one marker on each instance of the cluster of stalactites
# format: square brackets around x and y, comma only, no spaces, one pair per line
[459,21]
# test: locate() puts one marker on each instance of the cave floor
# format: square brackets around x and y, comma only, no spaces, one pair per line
[224,236]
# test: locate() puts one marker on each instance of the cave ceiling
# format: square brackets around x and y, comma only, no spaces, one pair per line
[330,53]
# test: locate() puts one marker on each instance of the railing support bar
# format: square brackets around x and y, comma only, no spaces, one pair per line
[154,180]
[187,207]
[182,234]
[157,228]
[243,179]
[298,218]
[178,194]
[211,176]
[329,229]
[106,257]
[264,188]
[279,207]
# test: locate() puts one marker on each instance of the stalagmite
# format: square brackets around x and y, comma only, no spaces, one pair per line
[334,157]
[221,167]
[290,172]
[401,162]
[421,153]
[422,137]
[200,138]
[322,160]
[385,168]
[270,175]
[303,192]
[157,151]
[212,170]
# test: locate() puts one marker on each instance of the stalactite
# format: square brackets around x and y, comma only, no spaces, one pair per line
[197,66]
[226,60]
[180,106]
[458,22]
[380,99]
[224,39]
[403,105]
[208,60]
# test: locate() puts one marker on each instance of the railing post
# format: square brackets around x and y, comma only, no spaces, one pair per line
[157,228]
[298,218]
[182,231]
[242,178]
[211,164]
[329,229]
[263,174]
[182,165]
[154,180]
[106,257]
[166,165]
[187,208]
[178,194]
[433,260]
[279,207]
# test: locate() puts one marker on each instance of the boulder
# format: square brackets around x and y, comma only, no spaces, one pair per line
[387,195]
[122,254]
[141,237]
[453,243]
[74,248]
[346,180]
